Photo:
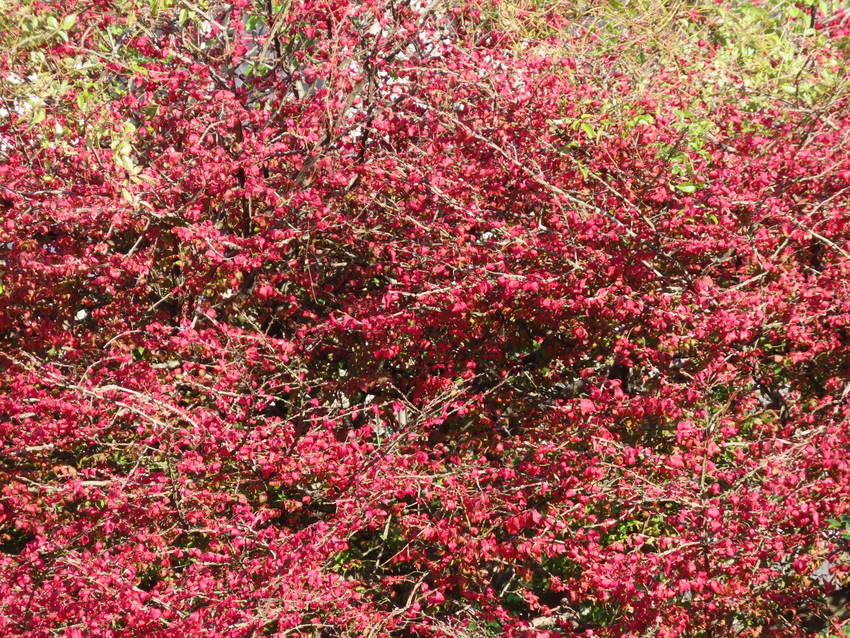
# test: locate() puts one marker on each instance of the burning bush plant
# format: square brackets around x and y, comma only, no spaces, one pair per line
[456,318]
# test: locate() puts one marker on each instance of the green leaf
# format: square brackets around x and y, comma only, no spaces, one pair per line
[585,172]
[644,118]
[687,187]
[68,21]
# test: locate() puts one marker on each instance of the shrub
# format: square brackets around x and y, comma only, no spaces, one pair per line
[334,318]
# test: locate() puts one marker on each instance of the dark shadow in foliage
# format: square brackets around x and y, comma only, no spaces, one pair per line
[13,541]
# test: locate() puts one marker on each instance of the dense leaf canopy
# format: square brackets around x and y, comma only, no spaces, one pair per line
[387,318]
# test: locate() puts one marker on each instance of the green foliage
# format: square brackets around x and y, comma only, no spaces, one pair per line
[755,52]
[842,526]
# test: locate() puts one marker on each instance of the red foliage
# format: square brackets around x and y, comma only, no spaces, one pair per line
[372,341]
